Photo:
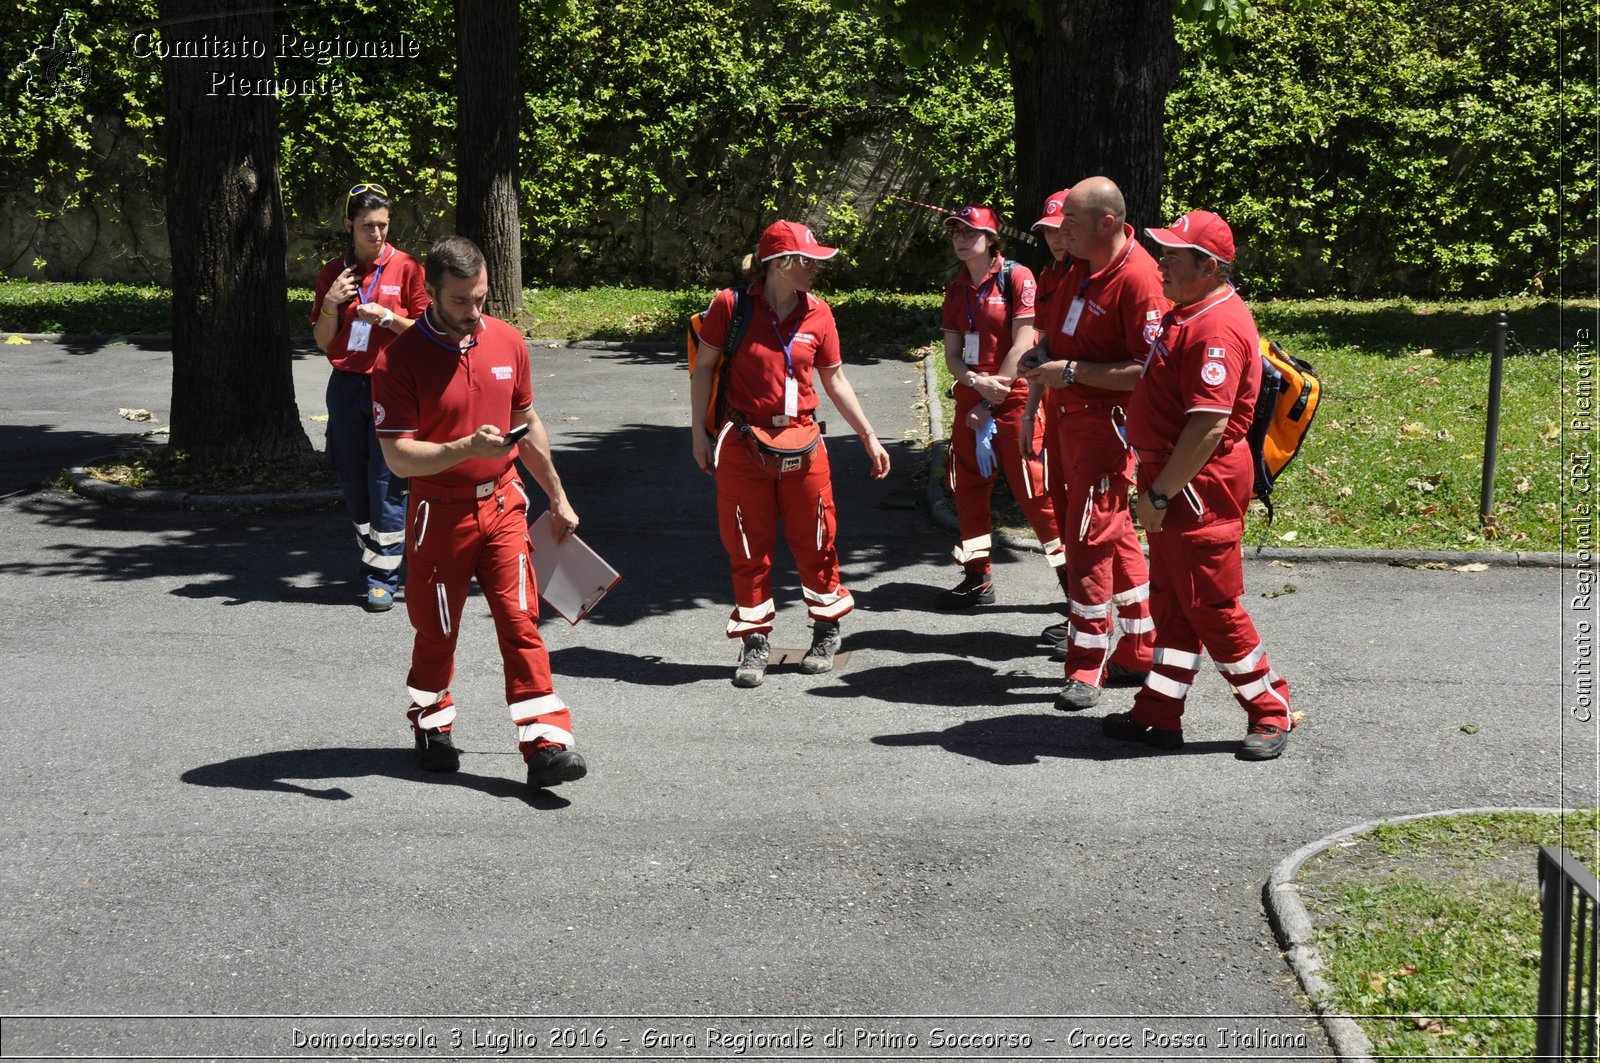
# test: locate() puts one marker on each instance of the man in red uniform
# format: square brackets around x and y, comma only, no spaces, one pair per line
[988,324]
[1104,315]
[445,396]
[1188,419]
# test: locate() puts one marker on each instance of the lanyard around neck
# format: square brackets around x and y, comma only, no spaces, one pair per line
[786,344]
[973,302]
[437,338]
[372,285]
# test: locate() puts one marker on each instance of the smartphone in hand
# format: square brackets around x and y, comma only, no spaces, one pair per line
[515,435]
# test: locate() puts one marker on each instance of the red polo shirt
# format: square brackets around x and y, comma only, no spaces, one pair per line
[1121,313]
[1207,359]
[1048,305]
[756,375]
[393,279]
[984,309]
[426,387]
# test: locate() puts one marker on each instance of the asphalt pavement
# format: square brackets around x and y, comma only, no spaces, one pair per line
[210,807]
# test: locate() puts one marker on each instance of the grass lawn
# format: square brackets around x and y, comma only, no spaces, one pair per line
[1430,929]
[1393,460]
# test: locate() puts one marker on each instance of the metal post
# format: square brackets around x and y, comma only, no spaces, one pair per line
[1554,892]
[1491,430]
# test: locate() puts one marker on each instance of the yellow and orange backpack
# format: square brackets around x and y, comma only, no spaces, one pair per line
[1288,399]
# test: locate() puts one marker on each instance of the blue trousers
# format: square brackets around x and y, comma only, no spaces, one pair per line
[374,497]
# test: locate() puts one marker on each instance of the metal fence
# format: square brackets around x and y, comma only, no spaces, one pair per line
[1568,954]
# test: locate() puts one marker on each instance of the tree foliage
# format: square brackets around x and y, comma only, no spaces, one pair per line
[1364,146]
[1358,145]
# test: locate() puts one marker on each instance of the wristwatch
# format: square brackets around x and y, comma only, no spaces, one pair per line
[1158,501]
[387,320]
[1069,374]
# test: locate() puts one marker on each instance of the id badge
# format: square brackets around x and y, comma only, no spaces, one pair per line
[1069,327]
[360,335]
[791,397]
[969,348]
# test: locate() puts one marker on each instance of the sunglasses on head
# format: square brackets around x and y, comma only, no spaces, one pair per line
[359,189]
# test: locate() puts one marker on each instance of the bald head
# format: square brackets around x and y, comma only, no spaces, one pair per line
[1099,196]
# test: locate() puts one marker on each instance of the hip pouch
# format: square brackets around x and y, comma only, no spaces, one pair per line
[787,449]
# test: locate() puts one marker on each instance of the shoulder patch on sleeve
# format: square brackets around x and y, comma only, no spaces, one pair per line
[1214,373]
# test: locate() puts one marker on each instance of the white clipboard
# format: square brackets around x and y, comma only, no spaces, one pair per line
[572,577]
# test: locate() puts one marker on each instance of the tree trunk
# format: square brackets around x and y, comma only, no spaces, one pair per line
[1094,95]
[488,121]
[232,386]
[1032,93]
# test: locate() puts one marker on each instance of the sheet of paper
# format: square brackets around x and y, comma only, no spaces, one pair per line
[572,577]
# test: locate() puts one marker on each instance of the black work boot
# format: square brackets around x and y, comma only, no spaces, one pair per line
[552,763]
[1123,727]
[436,751]
[975,588]
[1264,742]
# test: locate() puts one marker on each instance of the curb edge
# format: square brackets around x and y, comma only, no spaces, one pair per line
[1291,923]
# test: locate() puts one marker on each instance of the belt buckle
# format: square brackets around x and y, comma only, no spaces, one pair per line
[485,489]
[780,420]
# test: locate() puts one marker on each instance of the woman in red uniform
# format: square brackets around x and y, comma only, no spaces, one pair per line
[757,446]
[988,326]
[364,299]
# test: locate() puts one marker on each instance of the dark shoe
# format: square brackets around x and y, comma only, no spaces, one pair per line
[551,764]
[436,751]
[824,644]
[1118,677]
[1076,695]
[752,662]
[1264,742]
[379,600]
[1055,634]
[1123,727]
[975,588]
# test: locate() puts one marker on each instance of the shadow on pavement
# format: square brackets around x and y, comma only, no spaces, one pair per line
[920,597]
[306,558]
[948,683]
[980,644]
[37,454]
[272,772]
[1025,739]
[590,663]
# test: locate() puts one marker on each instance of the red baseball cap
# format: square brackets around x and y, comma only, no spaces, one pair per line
[791,238]
[1201,230]
[977,217]
[1052,210]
